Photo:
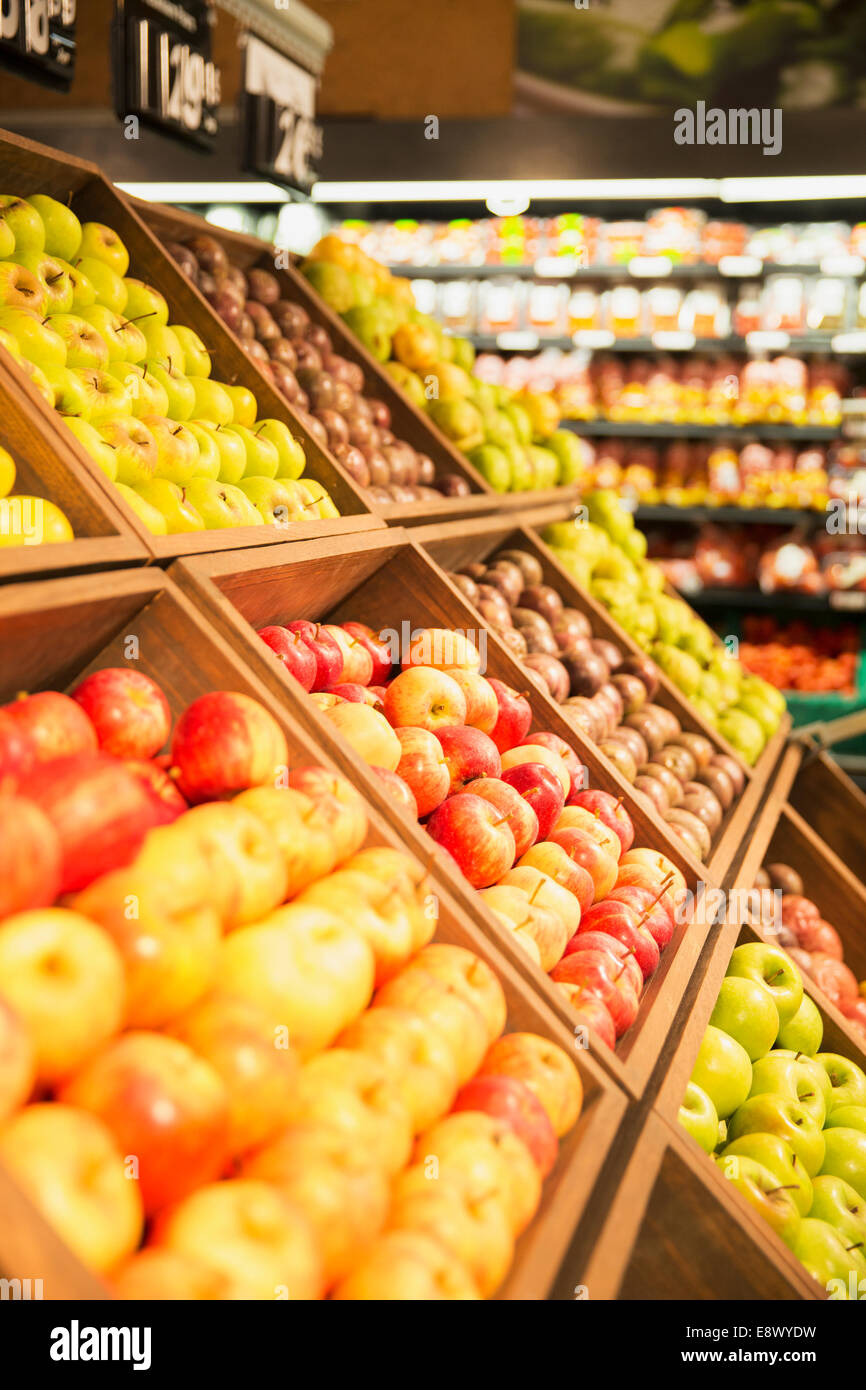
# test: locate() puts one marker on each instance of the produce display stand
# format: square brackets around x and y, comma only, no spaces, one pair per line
[409,422]
[103,537]
[25,168]
[834,806]
[341,579]
[53,632]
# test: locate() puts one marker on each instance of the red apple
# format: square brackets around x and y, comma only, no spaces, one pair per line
[521,816]
[654,913]
[30,858]
[55,725]
[379,650]
[610,810]
[574,767]
[398,791]
[510,1099]
[515,717]
[468,754]
[623,923]
[797,909]
[541,787]
[552,860]
[589,1012]
[168,803]
[127,709]
[423,767]
[357,665]
[660,868]
[601,940]
[17,753]
[100,812]
[609,979]
[425,698]
[294,652]
[834,978]
[477,835]
[582,849]
[351,691]
[820,936]
[225,742]
[329,658]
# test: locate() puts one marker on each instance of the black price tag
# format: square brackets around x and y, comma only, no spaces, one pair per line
[163,69]
[37,40]
[281,137]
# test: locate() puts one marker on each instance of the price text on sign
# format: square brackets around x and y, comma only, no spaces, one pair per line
[165,73]
[281,137]
[37,40]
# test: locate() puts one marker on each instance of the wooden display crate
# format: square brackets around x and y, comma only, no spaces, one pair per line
[453,546]
[409,422]
[834,806]
[676,1230]
[341,579]
[102,536]
[25,168]
[55,631]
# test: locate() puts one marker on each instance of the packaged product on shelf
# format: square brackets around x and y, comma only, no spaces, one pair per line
[663,304]
[499,306]
[747,317]
[790,375]
[705,312]
[624,311]
[828,382]
[622,241]
[583,311]
[784,304]
[826,306]
[457,305]
[723,239]
[546,309]
[675,233]
[723,470]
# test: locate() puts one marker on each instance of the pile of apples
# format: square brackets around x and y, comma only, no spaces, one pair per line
[326,390]
[785,1121]
[28,520]
[186,452]
[607,695]
[553,860]
[192,1062]
[815,945]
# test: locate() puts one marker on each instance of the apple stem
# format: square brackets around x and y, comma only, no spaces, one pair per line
[149,315]
[783,1187]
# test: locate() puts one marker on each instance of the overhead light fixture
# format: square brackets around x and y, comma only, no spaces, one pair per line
[784,188]
[239,192]
[508,190]
[508,207]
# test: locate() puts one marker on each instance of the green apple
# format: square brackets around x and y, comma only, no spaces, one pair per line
[769,1114]
[54,279]
[745,1010]
[71,396]
[798,1078]
[835,1201]
[21,288]
[92,442]
[493,465]
[144,302]
[103,244]
[313,497]
[37,340]
[231,448]
[163,345]
[847,1117]
[212,401]
[245,407]
[770,966]
[762,1190]
[263,460]
[7,240]
[846,1078]
[722,1139]
[780,1160]
[168,498]
[697,1114]
[723,1070]
[151,517]
[803,1032]
[108,397]
[195,354]
[147,395]
[829,1257]
[290,451]
[124,339]
[83,293]
[208,454]
[180,395]
[62,227]
[134,448]
[109,288]
[845,1156]
[176,450]
[221,505]
[85,345]
[24,222]
[270,497]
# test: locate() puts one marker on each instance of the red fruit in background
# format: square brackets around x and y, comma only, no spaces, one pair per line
[293,651]
[590,1013]
[601,940]
[582,849]
[329,658]
[624,925]
[225,742]
[423,767]
[609,809]
[540,786]
[510,1099]
[800,958]
[379,650]
[797,910]
[653,912]
[100,812]
[30,857]
[398,791]
[55,725]
[609,979]
[515,717]
[834,978]
[167,801]
[574,767]
[476,835]
[819,936]
[509,802]
[468,754]
[17,753]
[127,709]
[351,691]
[855,1011]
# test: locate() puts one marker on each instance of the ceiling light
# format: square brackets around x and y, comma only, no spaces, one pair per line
[239,192]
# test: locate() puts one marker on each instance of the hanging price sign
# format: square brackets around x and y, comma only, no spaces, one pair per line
[37,40]
[163,69]
[281,137]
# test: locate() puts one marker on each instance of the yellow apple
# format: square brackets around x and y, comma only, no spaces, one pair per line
[368,732]
[300,829]
[470,976]
[407,1265]
[475,1230]
[488,1157]
[352,1091]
